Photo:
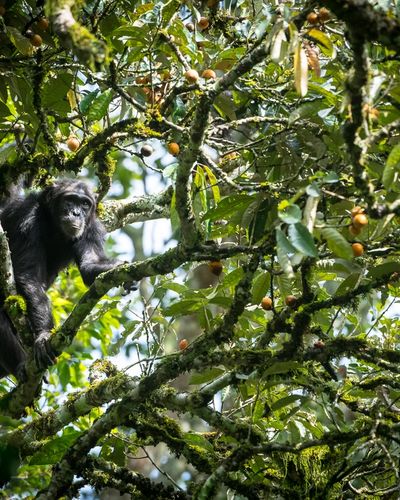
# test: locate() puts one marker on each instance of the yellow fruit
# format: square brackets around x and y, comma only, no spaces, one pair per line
[209,74]
[191,75]
[356,210]
[358,249]
[266,303]
[183,344]
[173,148]
[36,40]
[312,18]
[73,143]
[360,220]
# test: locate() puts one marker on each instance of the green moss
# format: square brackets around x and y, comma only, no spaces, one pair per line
[15,305]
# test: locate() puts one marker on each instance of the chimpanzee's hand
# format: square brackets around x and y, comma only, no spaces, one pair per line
[129,286]
[42,351]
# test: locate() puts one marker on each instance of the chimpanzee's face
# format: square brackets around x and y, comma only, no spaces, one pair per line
[74,210]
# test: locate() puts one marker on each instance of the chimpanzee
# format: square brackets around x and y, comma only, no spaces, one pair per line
[46,231]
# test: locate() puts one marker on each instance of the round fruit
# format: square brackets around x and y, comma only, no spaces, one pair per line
[319,344]
[216,267]
[183,344]
[29,33]
[291,300]
[360,220]
[43,23]
[2,10]
[191,75]
[324,14]
[146,150]
[209,74]
[173,148]
[36,40]
[354,231]
[356,210]
[358,249]
[204,23]
[312,18]
[73,143]
[190,26]
[266,303]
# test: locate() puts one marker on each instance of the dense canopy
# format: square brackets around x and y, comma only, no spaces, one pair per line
[248,155]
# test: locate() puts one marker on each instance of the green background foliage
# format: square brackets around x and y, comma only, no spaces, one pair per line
[300,125]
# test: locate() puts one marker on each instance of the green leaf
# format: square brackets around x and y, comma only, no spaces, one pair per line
[384,269]
[21,42]
[337,243]
[282,246]
[99,106]
[213,183]
[52,452]
[228,206]
[282,367]
[87,101]
[302,240]
[286,401]
[54,94]
[184,306]
[391,170]
[261,285]
[323,41]
[232,279]
[290,214]
[206,376]
[198,440]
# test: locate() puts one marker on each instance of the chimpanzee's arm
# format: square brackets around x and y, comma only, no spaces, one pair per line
[40,317]
[90,256]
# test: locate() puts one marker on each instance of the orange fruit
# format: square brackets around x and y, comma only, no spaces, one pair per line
[324,14]
[358,249]
[183,344]
[290,300]
[360,220]
[312,18]
[173,148]
[36,40]
[266,303]
[191,75]
[73,143]
[43,23]
[203,23]
[209,74]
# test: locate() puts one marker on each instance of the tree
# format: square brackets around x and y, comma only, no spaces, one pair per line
[263,341]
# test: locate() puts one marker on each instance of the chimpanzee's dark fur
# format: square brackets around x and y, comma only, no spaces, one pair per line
[46,231]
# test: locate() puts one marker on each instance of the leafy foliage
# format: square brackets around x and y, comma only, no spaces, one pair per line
[279,155]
